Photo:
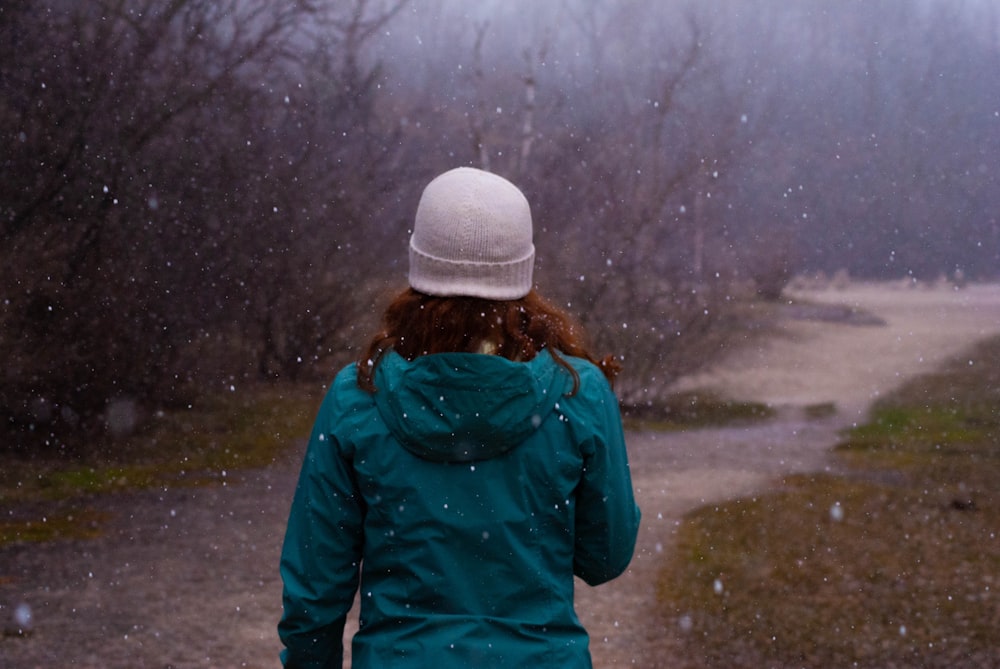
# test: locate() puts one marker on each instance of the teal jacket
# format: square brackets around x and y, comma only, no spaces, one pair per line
[461,498]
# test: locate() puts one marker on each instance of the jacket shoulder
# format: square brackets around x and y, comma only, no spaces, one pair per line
[593,408]
[592,379]
[345,401]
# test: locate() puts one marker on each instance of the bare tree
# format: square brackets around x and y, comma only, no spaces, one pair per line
[196,191]
[490,136]
[110,256]
[642,222]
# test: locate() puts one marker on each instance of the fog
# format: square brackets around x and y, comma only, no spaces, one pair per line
[204,206]
[862,131]
[207,194]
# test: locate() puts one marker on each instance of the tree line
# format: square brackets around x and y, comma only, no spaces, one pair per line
[200,195]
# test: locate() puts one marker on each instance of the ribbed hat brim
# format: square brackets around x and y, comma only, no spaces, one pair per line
[489,280]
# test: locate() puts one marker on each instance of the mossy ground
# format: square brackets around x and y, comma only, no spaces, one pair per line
[216,437]
[696,409]
[896,562]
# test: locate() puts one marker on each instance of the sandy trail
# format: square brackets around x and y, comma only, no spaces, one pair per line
[814,363]
[188,578]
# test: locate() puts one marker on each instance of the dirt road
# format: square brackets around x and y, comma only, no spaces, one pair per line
[188,578]
[815,362]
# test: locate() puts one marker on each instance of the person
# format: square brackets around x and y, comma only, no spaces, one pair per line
[465,468]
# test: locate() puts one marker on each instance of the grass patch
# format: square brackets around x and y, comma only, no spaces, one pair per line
[79,523]
[896,563]
[695,409]
[213,438]
[820,410]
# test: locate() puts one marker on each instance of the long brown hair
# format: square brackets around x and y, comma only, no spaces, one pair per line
[416,324]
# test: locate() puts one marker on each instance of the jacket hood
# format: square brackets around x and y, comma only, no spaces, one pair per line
[463,407]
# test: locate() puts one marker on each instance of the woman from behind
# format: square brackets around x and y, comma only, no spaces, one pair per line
[465,468]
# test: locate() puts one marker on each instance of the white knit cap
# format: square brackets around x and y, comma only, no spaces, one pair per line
[472,236]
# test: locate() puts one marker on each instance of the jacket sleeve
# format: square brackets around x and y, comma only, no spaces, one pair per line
[607,517]
[321,553]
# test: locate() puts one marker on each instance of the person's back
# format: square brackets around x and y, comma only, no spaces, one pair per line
[467,469]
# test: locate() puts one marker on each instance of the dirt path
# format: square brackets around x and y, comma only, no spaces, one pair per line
[816,362]
[188,578]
